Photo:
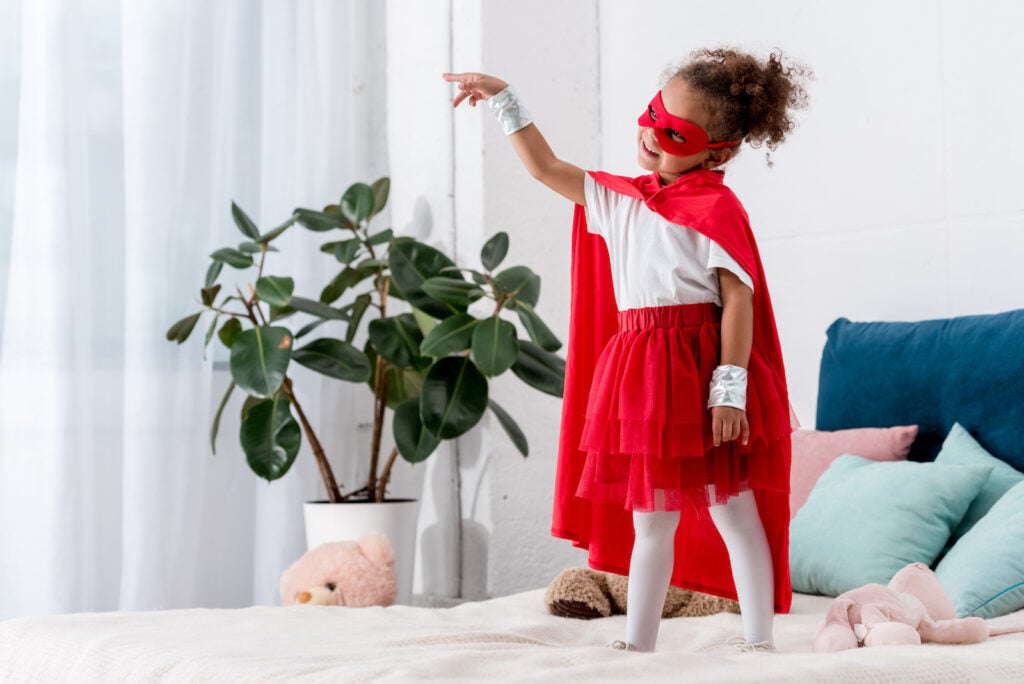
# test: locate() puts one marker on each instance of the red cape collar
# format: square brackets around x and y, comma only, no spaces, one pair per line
[699,200]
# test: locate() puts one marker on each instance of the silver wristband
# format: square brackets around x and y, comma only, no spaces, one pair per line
[509,111]
[729,387]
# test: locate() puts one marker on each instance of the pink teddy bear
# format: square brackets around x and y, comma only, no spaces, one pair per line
[343,574]
[912,609]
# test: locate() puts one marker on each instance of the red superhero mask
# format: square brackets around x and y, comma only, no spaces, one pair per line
[677,136]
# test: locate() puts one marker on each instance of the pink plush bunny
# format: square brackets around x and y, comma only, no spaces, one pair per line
[343,574]
[914,608]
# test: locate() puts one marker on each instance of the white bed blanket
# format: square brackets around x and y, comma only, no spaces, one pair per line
[507,639]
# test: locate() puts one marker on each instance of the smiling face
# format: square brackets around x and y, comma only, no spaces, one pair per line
[682,101]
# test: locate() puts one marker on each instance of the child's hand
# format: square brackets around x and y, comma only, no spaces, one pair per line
[475,86]
[728,423]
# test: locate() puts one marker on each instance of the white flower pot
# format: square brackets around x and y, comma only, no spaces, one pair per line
[396,520]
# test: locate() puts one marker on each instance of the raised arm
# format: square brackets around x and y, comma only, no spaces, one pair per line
[564,178]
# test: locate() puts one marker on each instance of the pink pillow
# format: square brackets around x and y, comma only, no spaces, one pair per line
[814,451]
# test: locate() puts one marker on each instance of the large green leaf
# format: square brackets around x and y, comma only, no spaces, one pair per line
[315,308]
[213,272]
[267,237]
[414,442]
[520,282]
[453,335]
[381,189]
[259,359]
[209,334]
[424,320]
[359,307]
[358,202]
[270,437]
[347,250]
[309,327]
[317,221]
[215,427]
[232,257]
[335,359]
[247,405]
[403,383]
[393,291]
[454,397]
[279,312]
[494,346]
[180,331]
[244,223]
[494,251]
[540,369]
[348,277]
[412,263]
[208,294]
[229,331]
[274,290]
[453,291]
[381,237]
[398,339]
[511,428]
[538,330]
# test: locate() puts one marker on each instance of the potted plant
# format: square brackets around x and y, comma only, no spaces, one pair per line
[424,355]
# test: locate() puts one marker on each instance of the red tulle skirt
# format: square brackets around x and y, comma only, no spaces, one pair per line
[648,429]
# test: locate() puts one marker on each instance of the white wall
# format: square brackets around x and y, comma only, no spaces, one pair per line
[898,197]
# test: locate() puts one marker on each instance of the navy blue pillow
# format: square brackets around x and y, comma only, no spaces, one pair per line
[968,369]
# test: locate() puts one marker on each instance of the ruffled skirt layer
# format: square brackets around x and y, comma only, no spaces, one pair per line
[648,433]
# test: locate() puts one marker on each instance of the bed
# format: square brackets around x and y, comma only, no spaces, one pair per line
[514,639]
[508,639]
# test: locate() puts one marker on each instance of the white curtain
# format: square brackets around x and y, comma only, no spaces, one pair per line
[126,129]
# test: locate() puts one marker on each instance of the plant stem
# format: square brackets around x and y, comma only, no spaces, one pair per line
[247,305]
[380,403]
[333,493]
[263,257]
[380,396]
[366,242]
[256,304]
[385,475]
[501,302]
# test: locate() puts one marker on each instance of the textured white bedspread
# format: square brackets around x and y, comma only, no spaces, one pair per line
[507,639]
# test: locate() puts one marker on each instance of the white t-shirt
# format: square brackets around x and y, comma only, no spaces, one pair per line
[655,262]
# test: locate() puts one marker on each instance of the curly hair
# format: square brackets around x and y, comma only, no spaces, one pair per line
[750,99]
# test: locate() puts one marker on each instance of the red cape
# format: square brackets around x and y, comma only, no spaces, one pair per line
[697,200]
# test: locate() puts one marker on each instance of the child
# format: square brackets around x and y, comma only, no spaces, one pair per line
[675,446]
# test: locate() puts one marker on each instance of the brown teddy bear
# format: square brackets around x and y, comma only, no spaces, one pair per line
[586,594]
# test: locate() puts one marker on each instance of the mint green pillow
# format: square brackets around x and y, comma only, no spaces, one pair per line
[865,520]
[984,572]
[959,448]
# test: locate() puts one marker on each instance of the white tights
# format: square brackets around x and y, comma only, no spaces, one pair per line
[651,564]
